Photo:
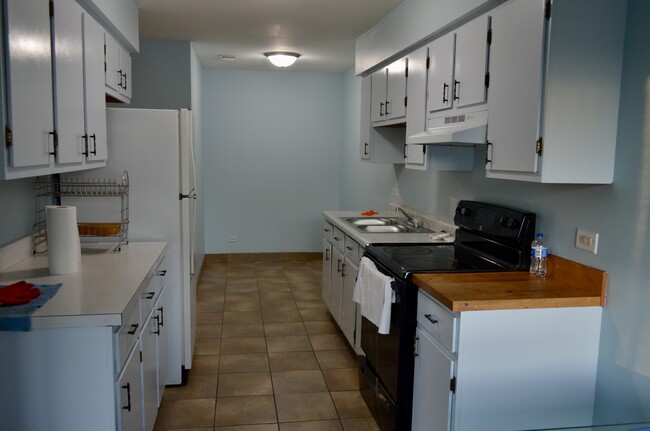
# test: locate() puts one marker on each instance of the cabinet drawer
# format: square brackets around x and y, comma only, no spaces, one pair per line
[352,250]
[338,239]
[155,283]
[127,335]
[327,231]
[437,321]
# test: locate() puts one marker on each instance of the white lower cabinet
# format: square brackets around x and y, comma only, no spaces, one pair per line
[432,395]
[340,267]
[129,393]
[496,370]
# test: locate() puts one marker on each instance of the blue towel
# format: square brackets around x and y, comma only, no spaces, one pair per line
[18,317]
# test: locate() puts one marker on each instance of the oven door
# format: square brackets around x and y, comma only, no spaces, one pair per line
[390,357]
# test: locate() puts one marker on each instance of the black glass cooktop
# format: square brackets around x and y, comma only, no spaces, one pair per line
[403,259]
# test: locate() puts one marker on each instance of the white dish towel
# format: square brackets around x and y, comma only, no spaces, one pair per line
[374,293]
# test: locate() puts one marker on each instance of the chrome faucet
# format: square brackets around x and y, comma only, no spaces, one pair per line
[409,217]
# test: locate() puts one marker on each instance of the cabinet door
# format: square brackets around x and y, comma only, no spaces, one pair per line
[348,306]
[365,150]
[161,343]
[517,59]
[432,395]
[471,63]
[327,267]
[149,373]
[125,70]
[416,157]
[396,89]
[336,285]
[28,66]
[441,73]
[378,95]
[95,107]
[113,77]
[129,390]
[69,69]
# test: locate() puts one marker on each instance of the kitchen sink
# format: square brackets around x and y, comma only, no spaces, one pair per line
[385,225]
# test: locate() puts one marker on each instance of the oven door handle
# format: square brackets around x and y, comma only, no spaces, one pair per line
[430,319]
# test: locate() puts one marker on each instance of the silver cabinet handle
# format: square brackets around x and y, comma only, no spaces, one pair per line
[430,319]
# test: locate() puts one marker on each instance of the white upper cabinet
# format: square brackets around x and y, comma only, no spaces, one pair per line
[554,88]
[458,67]
[118,70]
[415,156]
[30,144]
[365,145]
[80,113]
[389,93]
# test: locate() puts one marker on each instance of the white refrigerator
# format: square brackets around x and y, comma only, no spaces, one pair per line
[155,147]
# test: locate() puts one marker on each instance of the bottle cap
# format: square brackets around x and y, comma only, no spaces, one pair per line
[540,235]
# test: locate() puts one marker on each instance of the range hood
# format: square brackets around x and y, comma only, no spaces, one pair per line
[467,129]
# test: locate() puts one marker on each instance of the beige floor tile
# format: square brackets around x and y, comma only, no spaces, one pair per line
[245,410]
[279,305]
[342,379]
[230,330]
[293,361]
[241,384]
[243,345]
[273,287]
[198,386]
[205,364]
[328,342]
[288,343]
[306,285]
[284,328]
[295,382]
[310,304]
[244,363]
[273,271]
[275,316]
[350,404]
[321,327]
[276,296]
[305,407]
[307,294]
[208,331]
[249,287]
[315,314]
[208,318]
[335,359]
[178,414]
[242,306]
[360,424]
[242,316]
[332,425]
[207,346]
[262,427]
[186,429]
[209,307]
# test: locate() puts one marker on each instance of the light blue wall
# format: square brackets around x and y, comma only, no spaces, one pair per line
[619,212]
[271,157]
[16,209]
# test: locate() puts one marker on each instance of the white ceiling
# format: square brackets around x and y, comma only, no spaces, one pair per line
[322,31]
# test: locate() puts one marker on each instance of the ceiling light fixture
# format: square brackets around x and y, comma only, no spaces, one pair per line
[282,58]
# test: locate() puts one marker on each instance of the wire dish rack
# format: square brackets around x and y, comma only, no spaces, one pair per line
[48,190]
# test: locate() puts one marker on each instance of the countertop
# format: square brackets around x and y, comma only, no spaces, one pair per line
[97,295]
[336,218]
[568,284]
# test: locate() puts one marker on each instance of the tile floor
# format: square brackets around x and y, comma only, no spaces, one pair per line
[268,356]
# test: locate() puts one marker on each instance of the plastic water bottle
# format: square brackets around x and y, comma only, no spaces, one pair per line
[538,255]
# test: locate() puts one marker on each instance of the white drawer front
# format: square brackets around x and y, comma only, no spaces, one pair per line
[437,321]
[352,250]
[327,231]
[338,239]
[127,335]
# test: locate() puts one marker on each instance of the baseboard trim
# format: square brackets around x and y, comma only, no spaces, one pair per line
[262,257]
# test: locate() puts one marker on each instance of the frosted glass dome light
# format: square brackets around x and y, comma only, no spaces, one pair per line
[281,58]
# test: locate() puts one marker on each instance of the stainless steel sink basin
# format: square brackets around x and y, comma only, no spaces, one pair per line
[385,225]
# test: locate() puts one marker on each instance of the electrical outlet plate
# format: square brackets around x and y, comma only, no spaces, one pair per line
[587,241]
[233,238]
[395,192]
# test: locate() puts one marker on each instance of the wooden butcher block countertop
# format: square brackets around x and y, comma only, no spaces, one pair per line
[568,284]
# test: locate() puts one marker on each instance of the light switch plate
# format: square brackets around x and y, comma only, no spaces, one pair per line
[587,241]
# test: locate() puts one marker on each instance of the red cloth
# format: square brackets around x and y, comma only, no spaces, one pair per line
[18,293]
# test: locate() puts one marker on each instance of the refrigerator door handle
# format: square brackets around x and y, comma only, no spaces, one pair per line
[188,196]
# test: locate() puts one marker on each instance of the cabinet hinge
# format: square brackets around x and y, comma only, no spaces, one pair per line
[547,9]
[487,80]
[9,137]
[489,37]
[140,355]
[428,62]
[424,149]
[51,8]
[452,385]
[406,100]
[539,146]
[406,72]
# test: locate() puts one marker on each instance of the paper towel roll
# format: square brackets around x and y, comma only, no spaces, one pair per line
[64,249]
